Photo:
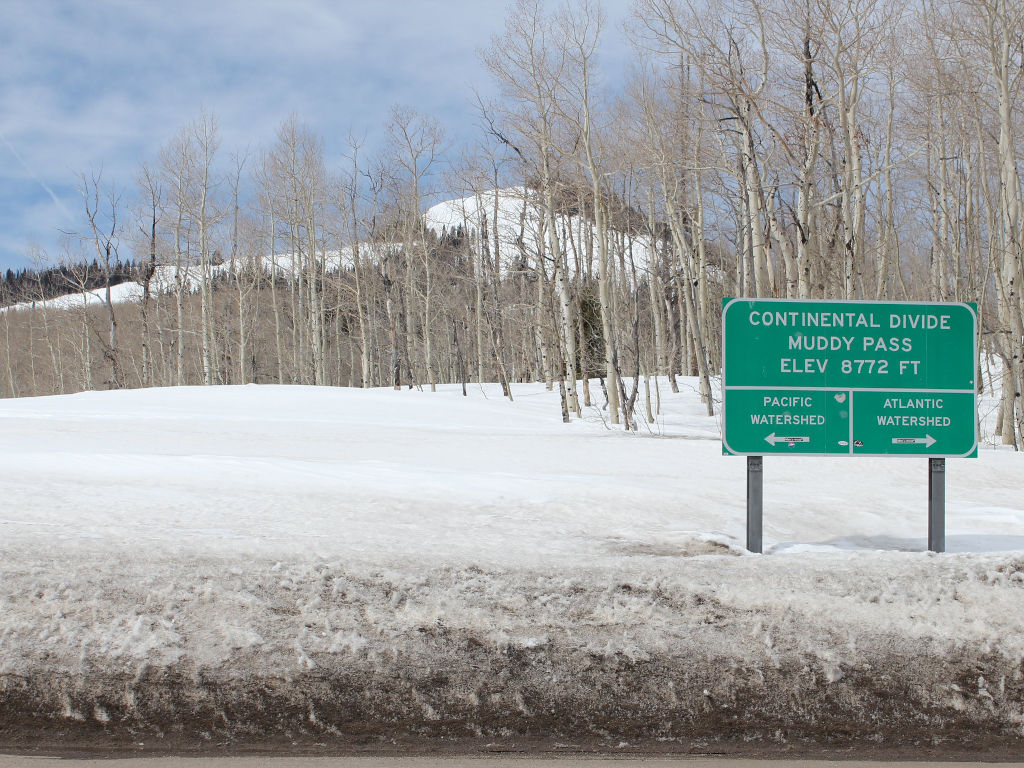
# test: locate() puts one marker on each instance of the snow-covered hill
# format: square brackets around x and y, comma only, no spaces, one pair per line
[518,232]
[314,565]
[167,277]
[518,215]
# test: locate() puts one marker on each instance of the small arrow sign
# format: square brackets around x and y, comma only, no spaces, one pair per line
[927,441]
[772,439]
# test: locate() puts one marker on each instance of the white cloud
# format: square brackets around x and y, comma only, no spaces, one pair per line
[104,83]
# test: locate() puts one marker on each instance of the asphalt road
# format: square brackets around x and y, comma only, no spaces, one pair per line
[24,761]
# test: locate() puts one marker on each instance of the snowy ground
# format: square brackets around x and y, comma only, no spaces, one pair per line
[329,565]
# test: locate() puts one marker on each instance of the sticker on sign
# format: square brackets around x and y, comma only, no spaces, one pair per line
[849,378]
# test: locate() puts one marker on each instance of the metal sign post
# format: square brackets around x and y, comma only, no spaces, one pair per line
[755,502]
[937,505]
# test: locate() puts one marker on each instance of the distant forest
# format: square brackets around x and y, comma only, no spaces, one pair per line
[29,285]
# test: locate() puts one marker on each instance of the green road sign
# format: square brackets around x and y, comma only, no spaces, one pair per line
[851,378]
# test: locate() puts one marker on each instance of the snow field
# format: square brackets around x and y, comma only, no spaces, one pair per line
[260,564]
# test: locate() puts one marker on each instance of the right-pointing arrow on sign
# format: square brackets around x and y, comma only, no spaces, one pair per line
[772,439]
[927,441]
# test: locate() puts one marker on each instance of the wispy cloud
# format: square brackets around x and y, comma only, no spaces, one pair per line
[43,184]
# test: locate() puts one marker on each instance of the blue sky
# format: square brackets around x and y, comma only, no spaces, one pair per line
[90,85]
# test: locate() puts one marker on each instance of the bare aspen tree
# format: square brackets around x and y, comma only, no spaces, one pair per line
[245,266]
[888,235]
[377,180]
[797,36]
[853,33]
[178,160]
[348,203]
[295,168]
[671,172]
[528,68]
[976,45]
[727,43]
[79,272]
[204,213]
[581,31]
[151,204]
[12,390]
[39,260]
[101,212]
[999,39]
[481,215]
[416,143]
[475,220]
[268,218]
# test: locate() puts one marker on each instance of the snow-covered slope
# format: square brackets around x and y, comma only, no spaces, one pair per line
[518,232]
[166,278]
[518,215]
[333,565]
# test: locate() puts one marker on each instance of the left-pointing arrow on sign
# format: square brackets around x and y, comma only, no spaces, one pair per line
[772,439]
[927,441]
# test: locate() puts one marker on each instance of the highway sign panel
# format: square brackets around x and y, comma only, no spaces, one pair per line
[849,378]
